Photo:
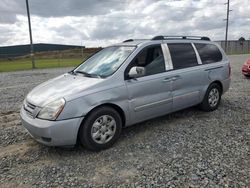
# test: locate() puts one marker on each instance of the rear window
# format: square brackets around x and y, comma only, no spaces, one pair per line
[183,55]
[209,53]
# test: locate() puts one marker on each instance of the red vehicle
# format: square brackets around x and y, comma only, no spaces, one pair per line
[246,68]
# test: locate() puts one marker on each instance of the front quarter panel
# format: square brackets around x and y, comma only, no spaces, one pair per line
[81,106]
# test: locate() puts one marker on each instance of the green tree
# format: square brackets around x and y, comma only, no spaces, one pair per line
[242,39]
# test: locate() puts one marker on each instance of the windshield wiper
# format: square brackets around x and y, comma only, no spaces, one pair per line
[88,74]
[72,72]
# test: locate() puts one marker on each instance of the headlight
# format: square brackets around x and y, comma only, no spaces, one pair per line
[52,110]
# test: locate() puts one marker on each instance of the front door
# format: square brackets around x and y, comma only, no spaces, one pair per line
[149,95]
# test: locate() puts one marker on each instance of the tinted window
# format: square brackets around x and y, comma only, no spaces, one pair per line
[151,58]
[183,55]
[209,53]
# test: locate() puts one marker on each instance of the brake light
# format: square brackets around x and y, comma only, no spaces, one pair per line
[229,69]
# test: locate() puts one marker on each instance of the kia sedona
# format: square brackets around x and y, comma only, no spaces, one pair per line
[124,84]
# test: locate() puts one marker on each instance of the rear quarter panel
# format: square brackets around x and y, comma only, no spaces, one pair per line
[218,71]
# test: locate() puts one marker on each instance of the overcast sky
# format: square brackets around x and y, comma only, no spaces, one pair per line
[102,22]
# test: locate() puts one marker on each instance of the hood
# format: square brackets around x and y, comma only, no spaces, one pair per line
[59,87]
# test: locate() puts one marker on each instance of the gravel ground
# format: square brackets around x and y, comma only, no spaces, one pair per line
[189,148]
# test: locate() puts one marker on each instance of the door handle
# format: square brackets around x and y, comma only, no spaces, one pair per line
[172,78]
[176,77]
[167,79]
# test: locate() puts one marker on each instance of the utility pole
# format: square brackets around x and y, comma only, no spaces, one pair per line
[227,20]
[82,47]
[31,41]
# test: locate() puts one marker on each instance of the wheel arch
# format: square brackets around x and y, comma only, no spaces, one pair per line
[219,83]
[205,88]
[112,105]
[117,108]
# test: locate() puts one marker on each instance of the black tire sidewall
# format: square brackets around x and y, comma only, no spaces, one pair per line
[85,130]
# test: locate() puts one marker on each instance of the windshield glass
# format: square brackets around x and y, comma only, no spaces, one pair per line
[106,61]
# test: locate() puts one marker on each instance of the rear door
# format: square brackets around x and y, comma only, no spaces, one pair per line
[187,75]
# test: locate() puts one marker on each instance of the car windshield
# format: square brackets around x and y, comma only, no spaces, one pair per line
[105,62]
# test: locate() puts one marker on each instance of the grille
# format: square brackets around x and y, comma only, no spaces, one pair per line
[30,109]
[32,106]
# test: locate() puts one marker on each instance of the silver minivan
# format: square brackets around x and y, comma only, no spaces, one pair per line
[124,84]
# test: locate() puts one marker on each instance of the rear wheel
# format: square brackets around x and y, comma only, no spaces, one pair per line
[212,98]
[101,128]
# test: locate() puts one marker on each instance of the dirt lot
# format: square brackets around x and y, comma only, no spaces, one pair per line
[189,148]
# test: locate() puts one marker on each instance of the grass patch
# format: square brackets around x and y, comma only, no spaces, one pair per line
[25,64]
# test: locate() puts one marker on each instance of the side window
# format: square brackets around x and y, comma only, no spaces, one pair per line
[151,58]
[182,55]
[209,53]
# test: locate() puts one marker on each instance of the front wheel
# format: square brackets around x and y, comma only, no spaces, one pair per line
[212,98]
[101,128]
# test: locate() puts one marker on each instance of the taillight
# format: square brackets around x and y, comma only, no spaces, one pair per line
[229,69]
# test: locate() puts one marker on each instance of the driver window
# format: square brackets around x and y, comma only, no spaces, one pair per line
[151,58]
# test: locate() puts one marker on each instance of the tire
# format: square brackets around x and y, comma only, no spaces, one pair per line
[101,129]
[212,98]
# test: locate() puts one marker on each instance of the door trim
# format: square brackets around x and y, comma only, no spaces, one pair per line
[197,54]
[153,104]
[186,94]
[167,57]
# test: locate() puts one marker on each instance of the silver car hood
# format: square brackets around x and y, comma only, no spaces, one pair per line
[59,87]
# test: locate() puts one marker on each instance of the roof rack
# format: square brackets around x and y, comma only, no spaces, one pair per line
[128,40]
[180,37]
[131,40]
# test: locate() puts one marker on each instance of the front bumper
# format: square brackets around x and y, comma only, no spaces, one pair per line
[246,70]
[52,133]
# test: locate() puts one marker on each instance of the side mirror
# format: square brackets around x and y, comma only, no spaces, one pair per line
[136,72]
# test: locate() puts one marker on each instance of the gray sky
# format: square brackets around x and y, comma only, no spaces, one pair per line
[102,22]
